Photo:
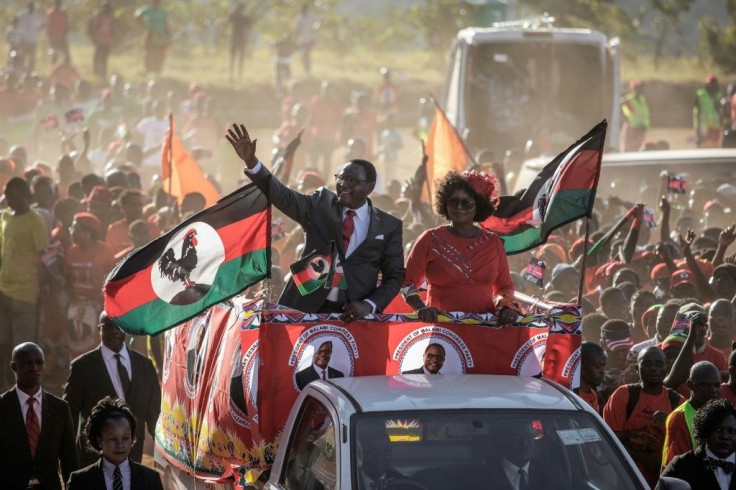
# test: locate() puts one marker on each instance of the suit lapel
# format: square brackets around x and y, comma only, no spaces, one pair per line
[17,415]
[48,422]
[372,228]
[101,367]
[337,225]
[135,475]
[99,476]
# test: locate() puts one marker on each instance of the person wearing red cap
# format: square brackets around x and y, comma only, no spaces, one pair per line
[86,265]
[683,285]
[660,277]
[706,117]
[636,117]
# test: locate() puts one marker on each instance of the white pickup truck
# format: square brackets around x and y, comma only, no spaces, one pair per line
[446,432]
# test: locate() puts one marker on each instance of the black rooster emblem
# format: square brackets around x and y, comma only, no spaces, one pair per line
[542,205]
[179,269]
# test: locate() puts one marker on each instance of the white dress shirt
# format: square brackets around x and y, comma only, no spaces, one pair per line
[424,370]
[512,472]
[724,480]
[361,221]
[38,405]
[112,367]
[319,371]
[108,468]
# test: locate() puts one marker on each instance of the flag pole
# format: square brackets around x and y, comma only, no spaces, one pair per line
[171,150]
[462,141]
[582,262]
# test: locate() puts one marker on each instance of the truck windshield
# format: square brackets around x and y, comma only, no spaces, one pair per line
[542,90]
[472,449]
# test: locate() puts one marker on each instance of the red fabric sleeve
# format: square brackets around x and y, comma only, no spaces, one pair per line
[614,413]
[416,263]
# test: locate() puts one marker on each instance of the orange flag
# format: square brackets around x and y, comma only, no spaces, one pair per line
[445,149]
[183,172]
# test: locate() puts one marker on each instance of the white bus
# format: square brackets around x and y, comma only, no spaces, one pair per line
[521,81]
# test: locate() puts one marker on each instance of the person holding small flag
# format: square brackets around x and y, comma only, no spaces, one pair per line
[366,240]
[465,265]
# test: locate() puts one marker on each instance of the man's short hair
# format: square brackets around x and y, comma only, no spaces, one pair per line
[439,346]
[368,168]
[590,349]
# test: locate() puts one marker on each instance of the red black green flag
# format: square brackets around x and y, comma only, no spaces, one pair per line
[318,269]
[206,259]
[563,192]
[313,271]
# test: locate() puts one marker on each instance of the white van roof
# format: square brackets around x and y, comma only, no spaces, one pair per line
[481,35]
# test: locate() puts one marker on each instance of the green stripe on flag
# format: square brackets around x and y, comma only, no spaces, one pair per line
[310,286]
[244,270]
[564,207]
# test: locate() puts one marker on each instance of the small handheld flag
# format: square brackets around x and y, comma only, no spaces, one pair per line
[535,272]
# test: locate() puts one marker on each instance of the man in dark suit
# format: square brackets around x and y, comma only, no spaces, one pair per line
[434,359]
[113,370]
[110,431]
[320,368]
[36,427]
[368,240]
[516,468]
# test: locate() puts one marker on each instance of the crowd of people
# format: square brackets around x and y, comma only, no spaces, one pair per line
[83,191]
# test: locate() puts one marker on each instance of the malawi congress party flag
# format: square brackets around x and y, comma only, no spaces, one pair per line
[564,191]
[208,258]
[180,174]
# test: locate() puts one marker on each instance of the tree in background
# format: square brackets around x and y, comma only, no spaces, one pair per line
[720,44]
[669,14]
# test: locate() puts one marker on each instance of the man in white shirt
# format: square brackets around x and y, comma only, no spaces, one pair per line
[113,370]
[36,427]
[30,22]
[369,241]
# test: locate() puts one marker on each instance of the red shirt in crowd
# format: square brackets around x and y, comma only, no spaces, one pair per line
[641,419]
[727,393]
[87,268]
[591,398]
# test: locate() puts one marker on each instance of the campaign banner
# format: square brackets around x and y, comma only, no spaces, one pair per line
[299,348]
[232,374]
[204,426]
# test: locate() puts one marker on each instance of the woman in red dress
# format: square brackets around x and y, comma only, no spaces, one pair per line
[464,265]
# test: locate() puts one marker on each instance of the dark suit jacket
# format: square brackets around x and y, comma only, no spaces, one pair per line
[307,375]
[541,475]
[55,444]
[419,370]
[320,215]
[89,382]
[92,478]
[691,468]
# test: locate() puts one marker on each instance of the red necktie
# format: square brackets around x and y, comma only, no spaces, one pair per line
[324,375]
[32,427]
[348,227]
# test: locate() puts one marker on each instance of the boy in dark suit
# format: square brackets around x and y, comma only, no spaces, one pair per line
[36,428]
[109,430]
[369,241]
